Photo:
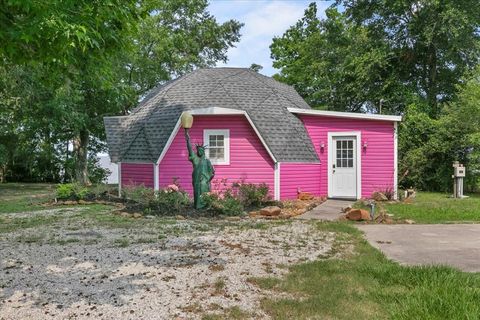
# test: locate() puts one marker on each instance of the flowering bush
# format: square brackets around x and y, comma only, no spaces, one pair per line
[253,195]
[224,203]
[171,200]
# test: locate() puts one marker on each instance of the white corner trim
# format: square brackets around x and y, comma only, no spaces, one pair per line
[358,153]
[156,182]
[119,168]
[226,144]
[276,182]
[170,140]
[351,115]
[214,111]
[395,160]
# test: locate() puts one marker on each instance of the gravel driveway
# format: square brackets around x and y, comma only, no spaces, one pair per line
[456,245]
[86,272]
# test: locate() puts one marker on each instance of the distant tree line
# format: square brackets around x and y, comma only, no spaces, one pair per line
[419,59]
[64,65]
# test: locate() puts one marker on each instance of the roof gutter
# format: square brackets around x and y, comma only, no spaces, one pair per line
[350,115]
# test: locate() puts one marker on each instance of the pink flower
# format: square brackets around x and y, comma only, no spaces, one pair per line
[172,187]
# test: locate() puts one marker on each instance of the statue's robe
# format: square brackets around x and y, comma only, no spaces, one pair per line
[202,173]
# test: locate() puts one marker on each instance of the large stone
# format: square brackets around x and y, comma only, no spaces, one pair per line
[379,196]
[305,196]
[270,211]
[358,215]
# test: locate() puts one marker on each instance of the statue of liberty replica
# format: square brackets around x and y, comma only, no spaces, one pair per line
[203,171]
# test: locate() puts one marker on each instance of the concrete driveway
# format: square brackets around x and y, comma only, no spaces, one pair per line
[456,245]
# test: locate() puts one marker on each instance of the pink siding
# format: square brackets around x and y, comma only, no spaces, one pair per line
[378,158]
[299,176]
[137,174]
[249,159]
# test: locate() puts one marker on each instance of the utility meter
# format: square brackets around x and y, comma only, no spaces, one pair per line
[459,172]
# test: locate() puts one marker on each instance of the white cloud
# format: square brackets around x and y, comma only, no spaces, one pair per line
[263,20]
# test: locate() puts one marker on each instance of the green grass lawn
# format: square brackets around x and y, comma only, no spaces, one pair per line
[18,197]
[364,284]
[429,207]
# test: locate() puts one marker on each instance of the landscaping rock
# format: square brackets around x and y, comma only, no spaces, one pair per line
[358,215]
[270,211]
[305,196]
[125,214]
[346,209]
[254,214]
[379,196]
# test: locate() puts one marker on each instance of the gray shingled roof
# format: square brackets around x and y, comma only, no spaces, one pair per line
[142,135]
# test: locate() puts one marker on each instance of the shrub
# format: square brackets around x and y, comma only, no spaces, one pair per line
[169,201]
[253,195]
[139,194]
[71,191]
[224,203]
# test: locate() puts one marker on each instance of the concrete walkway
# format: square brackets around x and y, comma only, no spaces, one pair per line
[329,210]
[456,245]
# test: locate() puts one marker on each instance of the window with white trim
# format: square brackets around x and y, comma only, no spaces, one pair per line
[218,145]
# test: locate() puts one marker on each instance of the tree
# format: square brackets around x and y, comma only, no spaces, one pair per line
[102,56]
[335,64]
[427,146]
[433,43]
[256,67]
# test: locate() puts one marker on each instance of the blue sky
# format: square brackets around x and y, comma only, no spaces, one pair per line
[263,20]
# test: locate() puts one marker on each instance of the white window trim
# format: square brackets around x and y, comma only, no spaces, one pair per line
[358,154]
[226,141]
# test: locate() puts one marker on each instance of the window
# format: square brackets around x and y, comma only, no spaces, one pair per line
[218,146]
[344,153]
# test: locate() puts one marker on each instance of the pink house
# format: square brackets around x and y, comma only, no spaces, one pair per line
[257,130]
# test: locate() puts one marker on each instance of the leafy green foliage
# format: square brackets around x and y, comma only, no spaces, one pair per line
[253,195]
[335,64]
[431,44]
[427,147]
[169,201]
[224,203]
[395,51]
[72,63]
[71,191]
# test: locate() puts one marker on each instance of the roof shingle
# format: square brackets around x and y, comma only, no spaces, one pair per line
[142,135]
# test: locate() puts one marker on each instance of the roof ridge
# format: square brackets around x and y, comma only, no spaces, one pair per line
[273,89]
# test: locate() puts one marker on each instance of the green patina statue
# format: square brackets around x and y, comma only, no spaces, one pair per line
[203,172]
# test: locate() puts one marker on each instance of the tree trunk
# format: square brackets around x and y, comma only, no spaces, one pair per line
[80,144]
[432,81]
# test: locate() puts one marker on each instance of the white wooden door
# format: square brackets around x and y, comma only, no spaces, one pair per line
[344,167]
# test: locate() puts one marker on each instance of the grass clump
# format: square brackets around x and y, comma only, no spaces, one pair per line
[431,207]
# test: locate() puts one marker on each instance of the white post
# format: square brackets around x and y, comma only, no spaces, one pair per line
[119,179]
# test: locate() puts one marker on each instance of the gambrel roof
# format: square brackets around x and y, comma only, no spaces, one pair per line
[142,135]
